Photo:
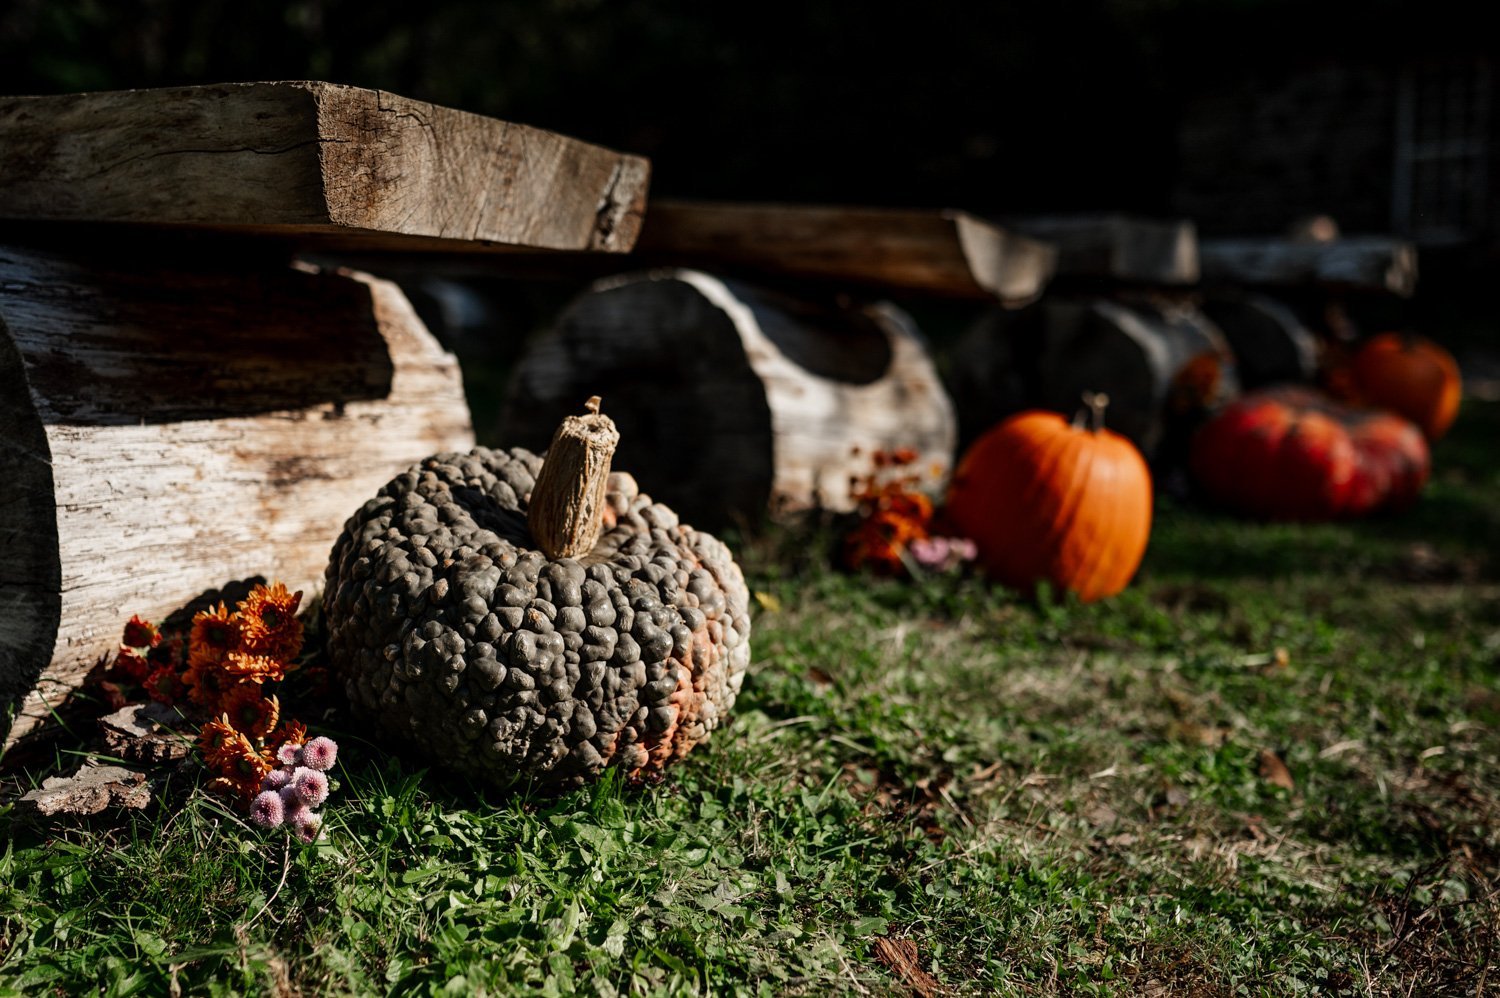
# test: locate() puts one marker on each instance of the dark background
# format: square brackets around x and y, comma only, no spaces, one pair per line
[1008,106]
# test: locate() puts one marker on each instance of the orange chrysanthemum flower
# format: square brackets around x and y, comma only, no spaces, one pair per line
[251,711]
[213,736]
[131,666]
[164,685]
[289,731]
[215,634]
[242,762]
[140,633]
[207,683]
[269,624]
[246,667]
[230,786]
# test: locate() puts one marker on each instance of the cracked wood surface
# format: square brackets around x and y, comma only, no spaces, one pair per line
[317,162]
[168,426]
[947,253]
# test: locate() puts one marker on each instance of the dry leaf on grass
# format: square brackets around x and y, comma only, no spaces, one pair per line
[1274,771]
[900,957]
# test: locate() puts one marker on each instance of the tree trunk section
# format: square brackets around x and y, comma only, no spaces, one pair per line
[1161,362]
[732,400]
[1270,343]
[168,426]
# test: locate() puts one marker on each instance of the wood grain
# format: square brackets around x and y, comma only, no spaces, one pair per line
[1363,263]
[1115,247]
[169,429]
[948,253]
[733,401]
[316,161]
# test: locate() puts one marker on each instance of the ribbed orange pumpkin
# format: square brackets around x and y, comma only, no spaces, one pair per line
[1045,499]
[1412,376]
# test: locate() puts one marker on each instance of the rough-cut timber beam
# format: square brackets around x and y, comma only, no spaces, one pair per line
[947,253]
[1120,248]
[171,426]
[1362,263]
[332,165]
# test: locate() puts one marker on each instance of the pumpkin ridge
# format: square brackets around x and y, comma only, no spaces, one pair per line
[1059,514]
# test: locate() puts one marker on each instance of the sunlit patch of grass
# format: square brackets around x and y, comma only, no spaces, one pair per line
[1044,795]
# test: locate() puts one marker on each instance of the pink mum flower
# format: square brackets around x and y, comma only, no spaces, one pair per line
[276,779]
[320,753]
[307,826]
[267,810]
[289,754]
[310,785]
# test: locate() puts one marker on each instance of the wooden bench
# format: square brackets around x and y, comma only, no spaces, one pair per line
[181,405]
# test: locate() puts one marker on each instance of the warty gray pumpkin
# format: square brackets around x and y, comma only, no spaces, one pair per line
[455,632]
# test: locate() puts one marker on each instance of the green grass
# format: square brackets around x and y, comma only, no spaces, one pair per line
[1044,797]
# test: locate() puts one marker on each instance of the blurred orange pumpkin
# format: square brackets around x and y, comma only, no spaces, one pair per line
[1411,376]
[1045,499]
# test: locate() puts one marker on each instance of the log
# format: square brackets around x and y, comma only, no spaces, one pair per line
[322,165]
[1114,247]
[1360,263]
[945,253]
[1162,363]
[167,426]
[1270,343]
[732,401]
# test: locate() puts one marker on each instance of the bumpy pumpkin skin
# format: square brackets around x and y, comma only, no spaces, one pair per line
[1043,499]
[1411,376]
[453,636]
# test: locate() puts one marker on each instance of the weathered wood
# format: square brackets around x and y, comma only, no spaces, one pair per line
[947,253]
[1270,343]
[165,429]
[316,162]
[1363,263]
[733,400]
[90,790]
[1113,247]
[145,732]
[1161,362]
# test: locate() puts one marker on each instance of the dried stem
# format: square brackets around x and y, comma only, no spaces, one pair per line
[566,512]
[1093,415]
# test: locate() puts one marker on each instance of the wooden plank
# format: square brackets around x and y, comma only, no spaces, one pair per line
[949,253]
[1116,247]
[170,426]
[1364,263]
[314,161]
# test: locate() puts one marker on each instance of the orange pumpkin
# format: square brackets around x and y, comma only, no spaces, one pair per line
[1045,499]
[1411,376]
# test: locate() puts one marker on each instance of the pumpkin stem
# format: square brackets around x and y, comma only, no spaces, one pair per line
[566,511]
[1093,416]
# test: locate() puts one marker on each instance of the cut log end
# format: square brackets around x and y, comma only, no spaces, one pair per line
[566,513]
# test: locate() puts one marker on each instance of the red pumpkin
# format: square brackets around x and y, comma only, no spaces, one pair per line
[1393,457]
[1411,376]
[1292,453]
[1045,499]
